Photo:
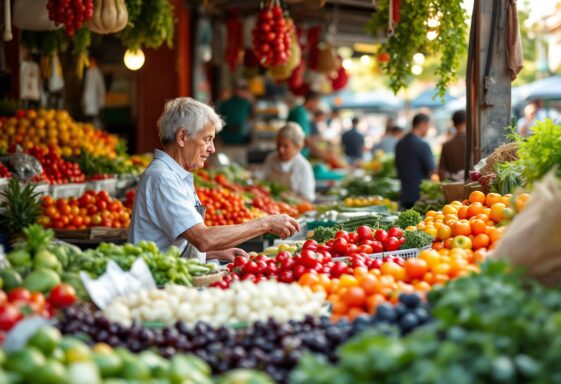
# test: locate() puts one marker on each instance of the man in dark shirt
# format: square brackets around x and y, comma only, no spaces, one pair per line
[236,111]
[453,156]
[414,161]
[353,143]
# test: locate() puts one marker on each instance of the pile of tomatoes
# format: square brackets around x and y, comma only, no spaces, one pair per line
[19,302]
[55,169]
[223,207]
[71,13]
[472,224]
[4,171]
[271,37]
[272,207]
[365,240]
[90,210]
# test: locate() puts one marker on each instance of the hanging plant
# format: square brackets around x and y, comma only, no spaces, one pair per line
[153,26]
[81,42]
[444,19]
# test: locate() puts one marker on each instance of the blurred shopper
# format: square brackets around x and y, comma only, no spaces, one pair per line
[453,156]
[525,124]
[301,114]
[287,166]
[353,143]
[389,140]
[318,123]
[236,111]
[93,96]
[414,161]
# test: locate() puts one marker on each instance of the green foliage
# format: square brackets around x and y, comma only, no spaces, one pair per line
[509,177]
[408,218]
[540,152]
[44,42]
[410,37]
[152,27]
[416,239]
[322,234]
[495,327]
[81,41]
[20,206]
[384,187]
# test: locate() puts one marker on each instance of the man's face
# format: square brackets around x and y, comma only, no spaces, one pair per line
[197,149]
[424,129]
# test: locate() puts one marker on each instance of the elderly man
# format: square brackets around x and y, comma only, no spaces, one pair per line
[166,208]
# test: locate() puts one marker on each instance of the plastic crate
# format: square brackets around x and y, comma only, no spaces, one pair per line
[67,190]
[126,182]
[108,185]
[404,253]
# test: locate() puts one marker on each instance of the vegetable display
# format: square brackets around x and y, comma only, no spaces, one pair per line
[55,169]
[243,302]
[4,172]
[71,13]
[271,37]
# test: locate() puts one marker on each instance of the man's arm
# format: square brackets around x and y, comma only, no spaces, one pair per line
[207,239]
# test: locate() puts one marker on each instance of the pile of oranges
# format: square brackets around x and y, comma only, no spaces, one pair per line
[354,295]
[56,129]
[472,224]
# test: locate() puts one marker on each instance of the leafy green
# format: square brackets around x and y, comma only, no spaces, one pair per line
[153,26]
[322,234]
[385,187]
[408,218]
[541,151]
[416,239]
[509,177]
[492,327]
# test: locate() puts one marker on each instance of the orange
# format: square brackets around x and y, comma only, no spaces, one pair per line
[416,268]
[354,297]
[444,232]
[373,301]
[339,307]
[393,269]
[368,283]
[431,231]
[441,279]
[347,281]
[494,234]
[429,278]
[422,286]
[492,198]
[463,212]
[438,245]
[520,201]
[507,199]
[497,212]
[450,210]
[432,257]
[475,209]
[360,271]
[439,217]
[456,203]
[450,219]
[477,197]
[461,227]
[430,213]
[481,241]
[448,243]
[478,226]
[309,280]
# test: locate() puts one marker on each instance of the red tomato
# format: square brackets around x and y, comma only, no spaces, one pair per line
[391,244]
[339,269]
[395,232]
[342,234]
[380,235]
[62,296]
[351,249]
[340,245]
[9,316]
[329,243]
[310,244]
[366,249]
[376,264]
[283,256]
[353,238]
[286,277]
[364,233]
[19,294]
[377,247]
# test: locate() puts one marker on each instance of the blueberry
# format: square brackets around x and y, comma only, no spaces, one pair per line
[386,313]
[422,315]
[400,310]
[408,322]
[411,300]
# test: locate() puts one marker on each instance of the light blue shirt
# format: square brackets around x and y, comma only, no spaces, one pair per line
[164,206]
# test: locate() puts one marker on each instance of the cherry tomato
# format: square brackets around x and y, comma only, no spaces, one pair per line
[9,316]
[391,244]
[395,232]
[19,294]
[342,234]
[364,233]
[310,244]
[340,245]
[62,296]
[380,235]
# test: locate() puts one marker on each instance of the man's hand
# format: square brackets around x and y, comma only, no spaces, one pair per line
[282,225]
[227,255]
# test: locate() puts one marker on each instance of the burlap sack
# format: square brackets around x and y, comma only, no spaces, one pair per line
[533,240]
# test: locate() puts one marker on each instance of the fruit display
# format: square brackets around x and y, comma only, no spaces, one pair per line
[55,169]
[244,302]
[56,129]
[488,328]
[92,209]
[366,201]
[272,207]
[72,14]
[49,357]
[384,186]
[4,172]
[271,346]
[223,207]
[471,224]
[18,303]
[272,36]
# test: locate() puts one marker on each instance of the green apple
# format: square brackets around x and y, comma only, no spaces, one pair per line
[461,241]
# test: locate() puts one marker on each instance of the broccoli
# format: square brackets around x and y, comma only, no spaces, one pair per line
[408,218]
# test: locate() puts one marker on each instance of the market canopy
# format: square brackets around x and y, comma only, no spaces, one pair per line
[542,89]
[429,99]
[377,101]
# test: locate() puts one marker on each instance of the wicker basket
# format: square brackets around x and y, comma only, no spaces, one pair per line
[205,281]
[454,191]
[503,154]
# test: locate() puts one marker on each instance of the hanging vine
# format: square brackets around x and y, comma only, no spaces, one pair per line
[152,24]
[410,37]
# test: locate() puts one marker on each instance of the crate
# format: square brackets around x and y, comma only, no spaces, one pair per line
[93,233]
[67,190]
[404,253]
[42,189]
[108,185]
[125,183]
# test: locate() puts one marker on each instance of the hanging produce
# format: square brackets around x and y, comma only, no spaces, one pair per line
[271,36]
[340,78]
[109,16]
[72,14]
[283,72]
[152,27]
[234,27]
[32,15]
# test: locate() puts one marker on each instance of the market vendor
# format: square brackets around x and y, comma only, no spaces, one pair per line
[166,208]
[287,166]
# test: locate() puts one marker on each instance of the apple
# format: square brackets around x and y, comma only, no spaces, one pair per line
[461,241]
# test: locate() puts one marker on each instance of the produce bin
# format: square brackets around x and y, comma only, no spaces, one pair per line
[67,190]
[109,185]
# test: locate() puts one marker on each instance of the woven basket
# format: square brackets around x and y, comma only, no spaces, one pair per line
[205,281]
[454,191]
[503,154]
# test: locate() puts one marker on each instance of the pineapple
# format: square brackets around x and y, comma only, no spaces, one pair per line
[20,207]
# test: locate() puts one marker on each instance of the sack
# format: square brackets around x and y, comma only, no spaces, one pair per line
[538,251]
[32,15]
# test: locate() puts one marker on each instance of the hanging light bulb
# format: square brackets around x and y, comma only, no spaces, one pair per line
[416,69]
[431,35]
[419,58]
[365,60]
[134,59]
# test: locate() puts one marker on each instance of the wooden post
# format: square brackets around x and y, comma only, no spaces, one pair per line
[488,80]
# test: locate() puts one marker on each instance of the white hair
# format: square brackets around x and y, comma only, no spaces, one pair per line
[293,132]
[186,113]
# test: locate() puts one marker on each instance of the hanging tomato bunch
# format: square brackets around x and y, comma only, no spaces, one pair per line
[271,36]
[71,13]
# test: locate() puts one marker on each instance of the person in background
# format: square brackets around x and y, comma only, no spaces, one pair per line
[525,124]
[237,111]
[166,208]
[317,122]
[453,156]
[300,114]
[353,143]
[93,96]
[414,160]
[287,166]
[389,141]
